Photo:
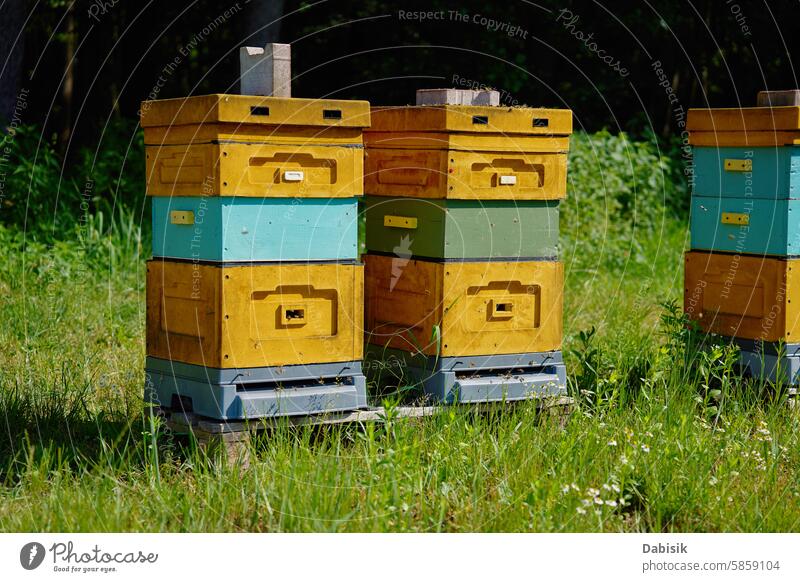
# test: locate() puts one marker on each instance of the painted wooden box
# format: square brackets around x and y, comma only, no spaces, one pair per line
[742,127]
[458,229]
[224,228]
[743,296]
[255,315]
[464,308]
[218,145]
[755,172]
[465,152]
[746,225]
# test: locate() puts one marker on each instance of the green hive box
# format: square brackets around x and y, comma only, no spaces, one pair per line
[462,229]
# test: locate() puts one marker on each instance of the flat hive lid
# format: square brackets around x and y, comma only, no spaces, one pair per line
[472,119]
[255,110]
[744,119]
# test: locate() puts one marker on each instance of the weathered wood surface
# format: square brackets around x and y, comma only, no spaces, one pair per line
[459,229]
[481,307]
[231,299]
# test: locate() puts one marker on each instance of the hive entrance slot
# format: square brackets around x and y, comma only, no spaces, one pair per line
[331,114]
[480,119]
[294,384]
[295,314]
[259,110]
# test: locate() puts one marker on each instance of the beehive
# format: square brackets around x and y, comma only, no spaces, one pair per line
[234,229]
[463,308]
[754,226]
[742,127]
[468,152]
[457,229]
[227,316]
[743,296]
[226,145]
[755,172]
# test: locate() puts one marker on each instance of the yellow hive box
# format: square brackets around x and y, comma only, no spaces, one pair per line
[468,152]
[220,145]
[743,296]
[269,171]
[255,315]
[478,308]
[748,126]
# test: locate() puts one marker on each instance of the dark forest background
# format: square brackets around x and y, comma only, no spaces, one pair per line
[74,74]
[87,62]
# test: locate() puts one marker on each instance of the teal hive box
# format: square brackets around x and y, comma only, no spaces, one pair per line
[749,172]
[462,229]
[754,226]
[244,229]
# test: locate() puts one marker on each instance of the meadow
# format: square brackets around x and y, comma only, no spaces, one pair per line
[664,435]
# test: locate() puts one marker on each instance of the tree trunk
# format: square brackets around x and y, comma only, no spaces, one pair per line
[12,17]
[68,87]
[263,22]
[666,131]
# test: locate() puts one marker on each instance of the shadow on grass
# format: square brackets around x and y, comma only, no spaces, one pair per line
[57,421]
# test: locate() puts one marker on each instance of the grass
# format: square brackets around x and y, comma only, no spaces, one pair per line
[664,437]
[646,450]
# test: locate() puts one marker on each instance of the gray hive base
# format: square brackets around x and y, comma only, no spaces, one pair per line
[252,393]
[474,379]
[770,362]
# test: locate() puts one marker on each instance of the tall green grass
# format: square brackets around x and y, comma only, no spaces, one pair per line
[665,435]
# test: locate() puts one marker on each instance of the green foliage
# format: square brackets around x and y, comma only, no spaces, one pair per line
[665,436]
[49,198]
[620,194]
[31,196]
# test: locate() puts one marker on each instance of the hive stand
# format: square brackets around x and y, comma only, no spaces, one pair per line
[767,361]
[478,379]
[238,393]
[230,441]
